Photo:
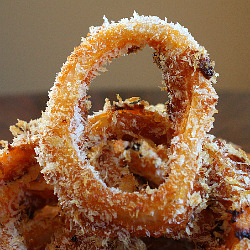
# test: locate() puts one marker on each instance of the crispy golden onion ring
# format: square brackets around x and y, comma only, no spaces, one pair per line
[222,184]
[188,76]
[30,217]
[223,224]
[23,193]
[128,144]
[225,183]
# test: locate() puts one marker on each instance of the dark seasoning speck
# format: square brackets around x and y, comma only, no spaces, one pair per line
[206,66]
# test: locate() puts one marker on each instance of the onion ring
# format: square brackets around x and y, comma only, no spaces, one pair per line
[188,75]
[225,179]
[218,156]
[23,193]
[214,226]
[30,216]
[225,171]
[124,126]
[72,237]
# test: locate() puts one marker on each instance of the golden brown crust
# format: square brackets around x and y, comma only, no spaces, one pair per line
[190,109]
[23,193]
[219,226]
[131,169]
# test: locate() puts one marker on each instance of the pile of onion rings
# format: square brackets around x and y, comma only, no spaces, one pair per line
[31,217]
[131,175]
[63,130]
[28,204]
[132,155]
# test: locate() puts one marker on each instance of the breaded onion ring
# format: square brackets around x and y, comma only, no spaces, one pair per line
[71,237]
[23,194]
[222,184]
[188,76]
[128,144]
[30,217]
[225,183]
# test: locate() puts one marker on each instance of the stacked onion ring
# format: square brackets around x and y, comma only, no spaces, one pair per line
[131,175]
[28,207]
[188,76]
[30,217]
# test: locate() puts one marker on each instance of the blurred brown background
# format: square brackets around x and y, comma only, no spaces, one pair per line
[37,36]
